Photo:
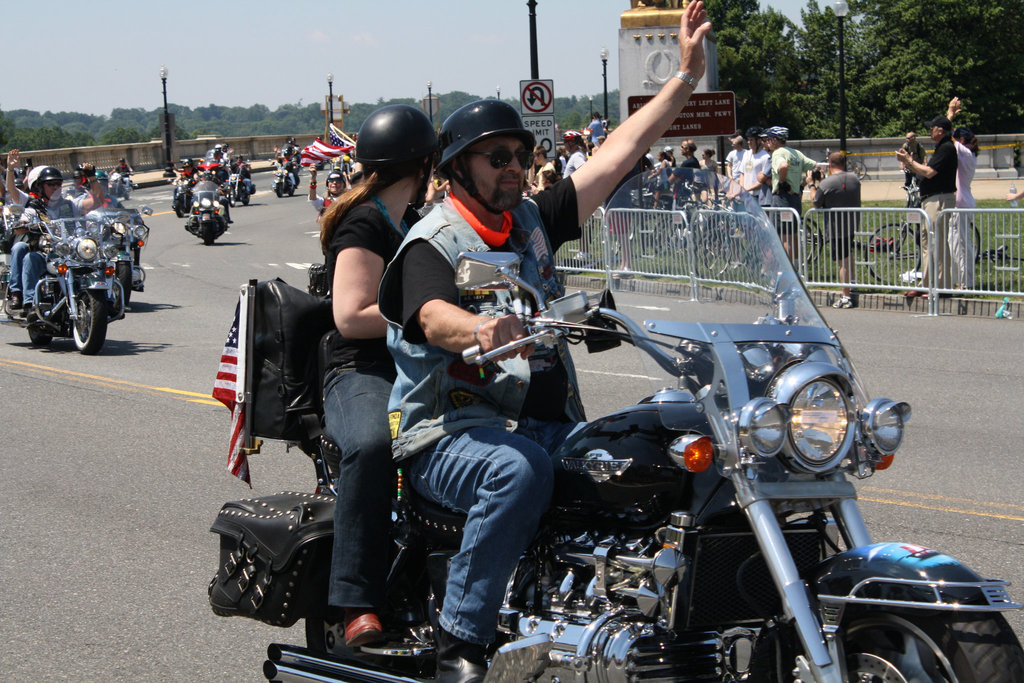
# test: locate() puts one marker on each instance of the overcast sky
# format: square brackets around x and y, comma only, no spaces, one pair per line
[94,55]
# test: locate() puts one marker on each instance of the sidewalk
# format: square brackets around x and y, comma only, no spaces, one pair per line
[892,191]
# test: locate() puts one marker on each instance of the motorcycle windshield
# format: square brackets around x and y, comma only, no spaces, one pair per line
[742,316]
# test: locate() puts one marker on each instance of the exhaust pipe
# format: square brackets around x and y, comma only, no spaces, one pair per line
[288,664]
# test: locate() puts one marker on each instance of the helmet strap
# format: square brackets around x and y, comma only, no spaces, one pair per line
[459,175]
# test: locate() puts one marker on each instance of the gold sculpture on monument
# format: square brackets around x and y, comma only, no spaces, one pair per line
[653,13]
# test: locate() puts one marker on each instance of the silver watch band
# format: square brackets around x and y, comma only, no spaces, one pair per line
[687,79]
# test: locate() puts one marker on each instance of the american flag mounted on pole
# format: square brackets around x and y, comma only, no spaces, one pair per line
[230,388]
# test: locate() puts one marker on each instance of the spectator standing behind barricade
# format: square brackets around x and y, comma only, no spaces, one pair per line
[916,151]
[840,190]
[574,146]
[659,175]
[597,130]
[732,159]
[961,246]
[542,171]
[789,169]
[938,192]
[755,168]
[689,150]
[708,160]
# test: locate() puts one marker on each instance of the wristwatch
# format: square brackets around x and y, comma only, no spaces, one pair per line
[686,78]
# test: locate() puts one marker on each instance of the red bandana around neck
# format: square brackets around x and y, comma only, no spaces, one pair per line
[493,238]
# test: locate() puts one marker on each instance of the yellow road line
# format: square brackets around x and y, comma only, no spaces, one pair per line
[973,513]
[190,396]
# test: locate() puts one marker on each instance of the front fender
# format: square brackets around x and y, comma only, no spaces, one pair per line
[907,576]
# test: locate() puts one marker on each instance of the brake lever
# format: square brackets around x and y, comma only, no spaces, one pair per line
[472,355]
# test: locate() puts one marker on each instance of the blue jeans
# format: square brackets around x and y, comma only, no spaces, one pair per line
[503,482]
[356,419]
[27,267]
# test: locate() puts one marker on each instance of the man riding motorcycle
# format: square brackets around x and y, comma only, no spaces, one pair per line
[480,441]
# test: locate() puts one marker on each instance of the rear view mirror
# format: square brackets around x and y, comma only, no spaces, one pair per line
[486,270]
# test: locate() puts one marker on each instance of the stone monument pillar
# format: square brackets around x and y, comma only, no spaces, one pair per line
[649,49]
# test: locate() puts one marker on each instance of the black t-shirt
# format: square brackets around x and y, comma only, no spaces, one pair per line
[690,162]
[427,275]
[944,161]
[368,228]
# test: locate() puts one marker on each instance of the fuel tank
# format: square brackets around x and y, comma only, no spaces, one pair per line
[616,470]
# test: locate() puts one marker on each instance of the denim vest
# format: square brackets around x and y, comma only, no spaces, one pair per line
[436,393]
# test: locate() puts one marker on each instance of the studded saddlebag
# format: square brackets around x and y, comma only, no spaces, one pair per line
[275,557]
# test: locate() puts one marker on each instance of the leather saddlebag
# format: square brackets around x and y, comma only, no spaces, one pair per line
[275,557]
[286,382]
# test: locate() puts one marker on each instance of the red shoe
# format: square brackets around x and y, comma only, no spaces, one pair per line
[362,627]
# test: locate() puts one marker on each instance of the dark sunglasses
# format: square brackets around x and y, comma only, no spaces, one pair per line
[501,157]
[53,183]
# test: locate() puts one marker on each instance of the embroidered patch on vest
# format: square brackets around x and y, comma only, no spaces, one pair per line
[461,399]
[394,422]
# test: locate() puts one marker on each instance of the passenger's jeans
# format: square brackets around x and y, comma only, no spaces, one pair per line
[27,267]
[503,482]
[356,419]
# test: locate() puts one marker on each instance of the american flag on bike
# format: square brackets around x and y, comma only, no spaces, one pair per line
[226,389]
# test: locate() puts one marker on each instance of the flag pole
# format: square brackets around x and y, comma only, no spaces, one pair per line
[247,309]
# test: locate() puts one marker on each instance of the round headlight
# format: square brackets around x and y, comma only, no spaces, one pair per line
[140,232]
[762,426]
[205,203]
[819,423]
[85,248]
[883,421]
[62,249]
[120,228]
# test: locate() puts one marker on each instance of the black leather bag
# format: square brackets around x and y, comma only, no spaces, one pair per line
[287,382]
[275,557]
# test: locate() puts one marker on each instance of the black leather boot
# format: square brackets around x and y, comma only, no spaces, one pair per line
[459,661]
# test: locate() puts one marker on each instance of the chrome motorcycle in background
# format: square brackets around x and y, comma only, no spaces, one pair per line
[282,183]
[206,219]
[707,531]
[78,295]
[121,185]
[130,232]
[238,193]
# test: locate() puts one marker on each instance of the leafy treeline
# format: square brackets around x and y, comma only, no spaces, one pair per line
[904,60]
[25,129]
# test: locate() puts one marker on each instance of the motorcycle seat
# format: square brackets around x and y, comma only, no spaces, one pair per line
[435,522]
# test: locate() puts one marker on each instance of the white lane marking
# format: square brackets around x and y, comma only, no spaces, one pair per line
[299,266]
[616,374]
[647,308]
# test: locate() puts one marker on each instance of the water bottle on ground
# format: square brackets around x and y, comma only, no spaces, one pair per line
[1004,310]
[1013,190]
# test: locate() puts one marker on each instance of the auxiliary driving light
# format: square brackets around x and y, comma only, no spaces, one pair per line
[762,426]
[883,421]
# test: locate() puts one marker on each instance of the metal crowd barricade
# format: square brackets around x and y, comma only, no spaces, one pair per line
[884,247]
[589,252]
[985,251]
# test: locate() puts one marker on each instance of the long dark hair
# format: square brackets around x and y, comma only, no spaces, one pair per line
[375,179]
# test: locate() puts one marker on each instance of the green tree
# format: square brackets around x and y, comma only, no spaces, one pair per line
[120,136]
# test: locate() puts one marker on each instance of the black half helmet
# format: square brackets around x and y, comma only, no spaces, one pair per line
[478,121]
[395,133]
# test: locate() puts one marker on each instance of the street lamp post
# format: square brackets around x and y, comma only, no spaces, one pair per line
[430,101]
[168,165]
[330,103]
[604,76]
[497,90]
[841,9]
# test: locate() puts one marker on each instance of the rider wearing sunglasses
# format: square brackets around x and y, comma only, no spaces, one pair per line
[478,439]
[43,196]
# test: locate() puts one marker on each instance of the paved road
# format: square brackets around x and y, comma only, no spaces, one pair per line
[113,465]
